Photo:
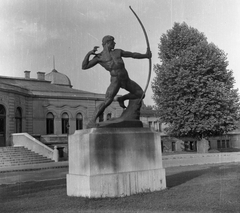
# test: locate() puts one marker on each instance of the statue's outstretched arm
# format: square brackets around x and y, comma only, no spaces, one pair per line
[128,54]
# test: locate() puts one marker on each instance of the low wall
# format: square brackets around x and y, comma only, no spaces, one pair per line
[199,159]
[26,140]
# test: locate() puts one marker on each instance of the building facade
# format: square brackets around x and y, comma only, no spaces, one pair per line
[226,142]
[47,105]
[149,119]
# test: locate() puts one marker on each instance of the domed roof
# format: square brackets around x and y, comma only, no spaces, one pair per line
[58,78]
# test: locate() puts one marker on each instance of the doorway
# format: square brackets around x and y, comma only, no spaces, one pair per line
[2,126]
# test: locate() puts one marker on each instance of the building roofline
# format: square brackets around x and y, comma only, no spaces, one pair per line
[23,79]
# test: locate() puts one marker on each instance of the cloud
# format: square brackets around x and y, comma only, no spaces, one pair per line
[32,23]
[24,33]
[35,22]
[109,10]
[35,33]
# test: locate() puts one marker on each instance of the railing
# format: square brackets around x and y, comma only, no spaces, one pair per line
[26,140]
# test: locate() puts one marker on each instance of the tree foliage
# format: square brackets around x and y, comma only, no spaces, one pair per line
[193,89]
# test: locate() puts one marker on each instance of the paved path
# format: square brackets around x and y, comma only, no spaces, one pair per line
[38,166]
[33,175]
[60,173]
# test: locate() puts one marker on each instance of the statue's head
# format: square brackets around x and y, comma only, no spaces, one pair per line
[106,39]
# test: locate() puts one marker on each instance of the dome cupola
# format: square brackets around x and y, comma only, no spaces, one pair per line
[58,78]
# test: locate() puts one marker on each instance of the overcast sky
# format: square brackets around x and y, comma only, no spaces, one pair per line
[32,31]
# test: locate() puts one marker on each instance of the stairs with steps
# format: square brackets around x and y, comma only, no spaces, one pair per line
[18,156]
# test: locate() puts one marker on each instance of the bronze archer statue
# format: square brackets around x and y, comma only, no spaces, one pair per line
[111,60]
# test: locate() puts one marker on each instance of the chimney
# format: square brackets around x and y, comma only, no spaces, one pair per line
[27,74]
[41,75]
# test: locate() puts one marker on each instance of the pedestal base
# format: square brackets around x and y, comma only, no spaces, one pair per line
[116,185]
[111,162]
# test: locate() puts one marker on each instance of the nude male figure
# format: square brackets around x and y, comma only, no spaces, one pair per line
[111,60]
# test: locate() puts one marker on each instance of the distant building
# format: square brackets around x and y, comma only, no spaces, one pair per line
[149,118]
[226,142]
[50,106]
[47,105]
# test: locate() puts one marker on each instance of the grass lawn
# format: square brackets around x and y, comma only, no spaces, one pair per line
[214,188]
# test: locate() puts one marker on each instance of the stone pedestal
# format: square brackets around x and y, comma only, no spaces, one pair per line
[114,162]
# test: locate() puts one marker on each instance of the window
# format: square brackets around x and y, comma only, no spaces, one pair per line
[2,110]
[65,123]
[79,121]
[222,144]
[150,124]
[2,125]
[173,146]
[186,145]
[50,123]
[190,145]
[109,115]
[18,120]
[227,144]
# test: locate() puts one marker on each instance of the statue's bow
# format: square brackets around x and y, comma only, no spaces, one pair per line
[148,48]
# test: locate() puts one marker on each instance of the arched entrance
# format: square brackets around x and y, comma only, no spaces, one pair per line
[2,126]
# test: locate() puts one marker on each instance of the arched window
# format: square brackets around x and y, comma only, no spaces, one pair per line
[50,123]
[79,121]
[2,110]
[65,123]
[109,115]
[2,125]
[18,120]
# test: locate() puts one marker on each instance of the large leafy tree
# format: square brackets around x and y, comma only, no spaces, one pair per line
[193,89]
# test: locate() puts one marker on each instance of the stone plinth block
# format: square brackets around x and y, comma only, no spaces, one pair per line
[114,162]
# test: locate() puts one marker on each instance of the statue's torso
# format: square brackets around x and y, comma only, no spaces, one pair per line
[114,63]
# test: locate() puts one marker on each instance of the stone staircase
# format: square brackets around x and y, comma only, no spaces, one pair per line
[18,156]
